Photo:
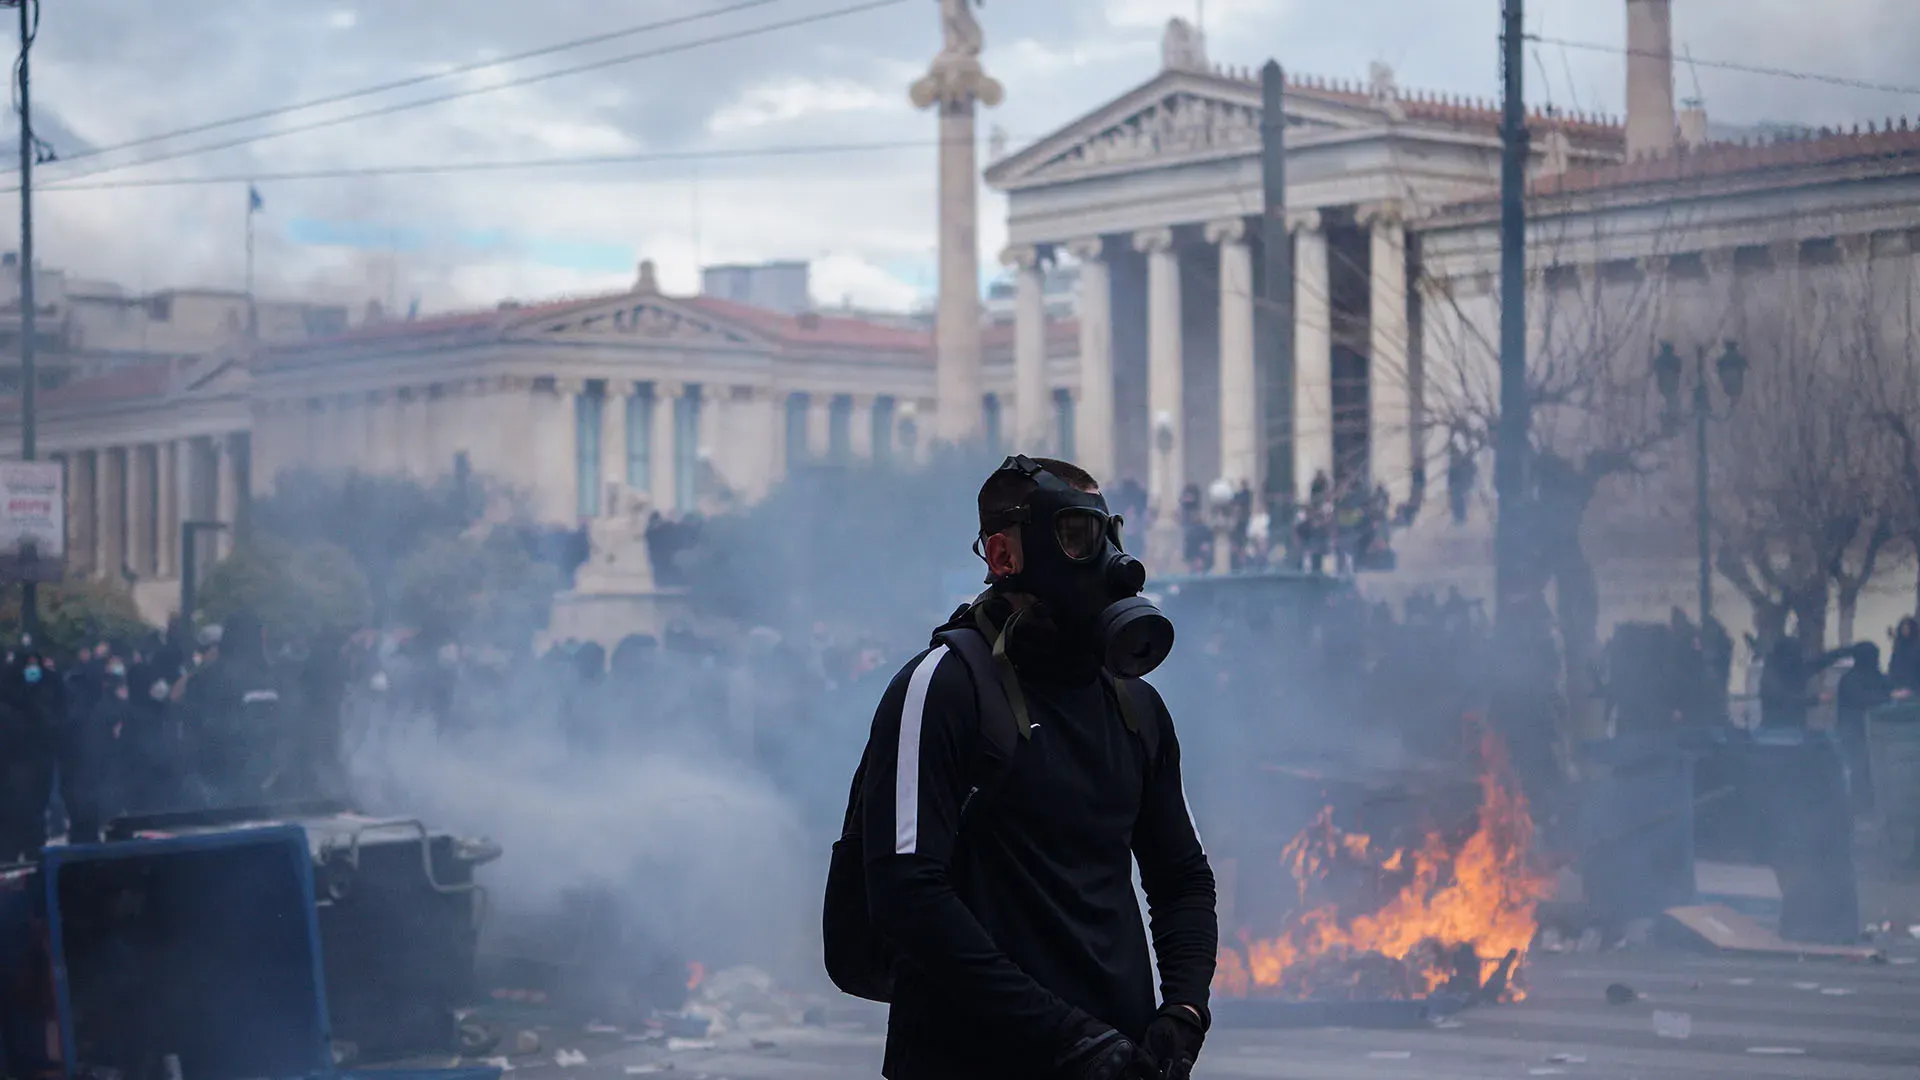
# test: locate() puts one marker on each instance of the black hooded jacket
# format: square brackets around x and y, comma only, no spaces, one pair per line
[1028,913]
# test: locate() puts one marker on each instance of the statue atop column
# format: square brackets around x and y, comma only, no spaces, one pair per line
[954,84]
[956,78]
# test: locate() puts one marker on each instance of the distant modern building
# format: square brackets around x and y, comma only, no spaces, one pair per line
[88,328]
[784,287]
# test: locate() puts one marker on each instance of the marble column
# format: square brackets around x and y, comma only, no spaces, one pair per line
[227,491]
[1093,422]
[560,449]
[168,495]
[955,85]
[1390,416]
[666,398]
[106,563]
[1030,401]
[861,427]
[1165,369]
[1240,443]
[1313,352]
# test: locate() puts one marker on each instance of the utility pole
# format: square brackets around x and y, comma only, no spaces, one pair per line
[1511,442]
[1273,316]
[29,376]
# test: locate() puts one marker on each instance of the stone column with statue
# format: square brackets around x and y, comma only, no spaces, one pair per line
[955,84]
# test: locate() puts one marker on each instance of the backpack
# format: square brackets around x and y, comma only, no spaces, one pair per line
[859,960]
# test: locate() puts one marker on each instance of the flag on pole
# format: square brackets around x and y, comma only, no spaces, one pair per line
[254,202]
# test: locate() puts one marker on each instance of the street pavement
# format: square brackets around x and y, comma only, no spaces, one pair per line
[1740,1017]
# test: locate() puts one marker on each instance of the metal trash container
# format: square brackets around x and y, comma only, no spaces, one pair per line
[1893,759]
[1636,825]
[1794,785]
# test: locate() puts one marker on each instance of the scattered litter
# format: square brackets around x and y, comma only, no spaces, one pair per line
[1673,1025]
[1621,994]
[1904,960]
[1806,986]
[681,1045]
[526,1042]
[763,1044]
[649,1070]
[602,1029]
[1390,1055]
[1776,1051]
[1449,1024]
[567,1059]
[1836,991]
[1546,1070]
[499,1063]
[1740,982]
[1914,930]
[1566,1059]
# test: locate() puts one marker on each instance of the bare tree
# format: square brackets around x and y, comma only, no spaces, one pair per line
[1594,417]
[1812,493]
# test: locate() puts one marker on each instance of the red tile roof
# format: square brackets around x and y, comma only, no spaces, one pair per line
[147,381]
[1061,333]
[1876,144]
[1456,109]
[814,330]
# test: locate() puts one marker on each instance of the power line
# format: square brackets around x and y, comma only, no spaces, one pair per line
[503,165]
[1729,65]
[415,80]
[406,106]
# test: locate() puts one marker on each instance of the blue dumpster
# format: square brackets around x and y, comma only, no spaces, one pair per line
[1636,825]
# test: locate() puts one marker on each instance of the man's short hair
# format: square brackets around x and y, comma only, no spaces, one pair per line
[1006,491]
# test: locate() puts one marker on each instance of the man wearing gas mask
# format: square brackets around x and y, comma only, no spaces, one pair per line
[1000,876]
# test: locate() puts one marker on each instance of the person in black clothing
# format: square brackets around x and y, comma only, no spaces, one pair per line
[1862,689]
[32,707]
[1903,667]
[91,765]
[1022,952]
[1785,696]
[232,704]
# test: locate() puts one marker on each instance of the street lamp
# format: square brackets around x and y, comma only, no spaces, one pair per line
[1668,369]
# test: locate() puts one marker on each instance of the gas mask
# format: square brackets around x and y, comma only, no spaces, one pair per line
[1075,566]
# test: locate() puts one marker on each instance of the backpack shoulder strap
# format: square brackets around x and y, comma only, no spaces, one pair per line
[1137,710]
[1003,714]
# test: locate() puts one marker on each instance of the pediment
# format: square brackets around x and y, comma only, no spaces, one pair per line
[1176,116]
[638,318]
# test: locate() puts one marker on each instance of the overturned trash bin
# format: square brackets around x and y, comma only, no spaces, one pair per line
[1636,825]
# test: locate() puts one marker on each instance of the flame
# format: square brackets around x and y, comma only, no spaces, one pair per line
[696,974]
[1446,895]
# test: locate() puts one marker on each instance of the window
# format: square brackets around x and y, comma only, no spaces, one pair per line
[882,430]
[686,450]
[586,448]
[990,422]
[840,429]
[797,406]
[1063,422]
[640,438]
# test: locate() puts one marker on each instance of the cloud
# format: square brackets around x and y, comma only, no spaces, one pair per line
[343,19]
[841,278]
[781,102]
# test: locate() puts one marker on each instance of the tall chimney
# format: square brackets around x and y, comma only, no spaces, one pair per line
[1650,116]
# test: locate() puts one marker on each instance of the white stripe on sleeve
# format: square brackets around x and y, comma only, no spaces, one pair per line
[906,779]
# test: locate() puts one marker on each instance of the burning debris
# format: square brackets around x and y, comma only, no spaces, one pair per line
[1452,913]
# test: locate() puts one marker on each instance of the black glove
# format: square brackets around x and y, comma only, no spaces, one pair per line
[1091,1050]
[1173,1041]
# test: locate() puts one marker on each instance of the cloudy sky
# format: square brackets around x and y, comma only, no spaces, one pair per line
[110,71]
